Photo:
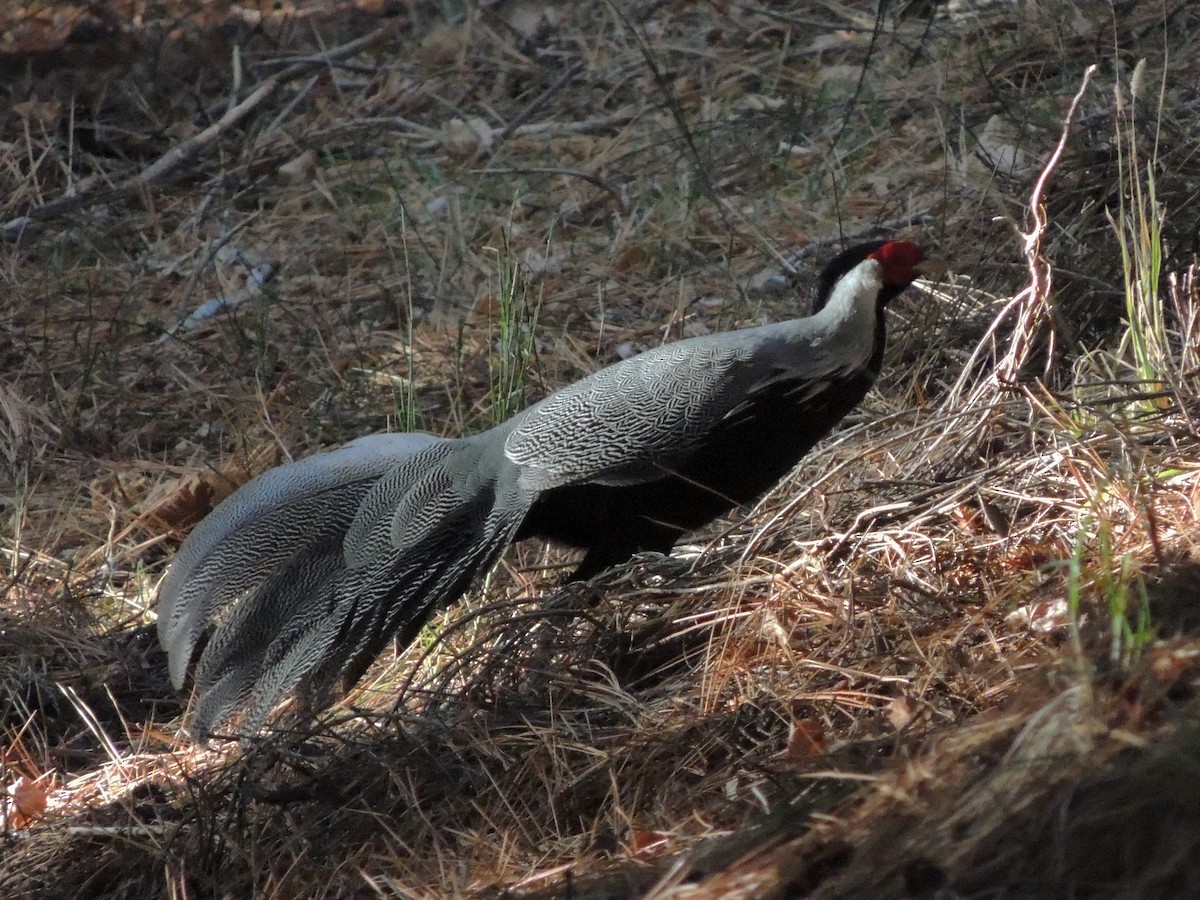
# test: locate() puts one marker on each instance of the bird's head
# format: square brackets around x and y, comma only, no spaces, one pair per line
[900,261]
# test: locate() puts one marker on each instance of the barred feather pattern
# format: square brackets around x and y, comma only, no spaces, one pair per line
[238,547]
[631,421]
[302,577]
[338,599]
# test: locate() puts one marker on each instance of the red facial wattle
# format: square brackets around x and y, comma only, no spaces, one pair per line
[900,260]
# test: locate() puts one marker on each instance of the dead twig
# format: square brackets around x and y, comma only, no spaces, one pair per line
[1036,311]
[179,156]
[607,186]
[537,103]
[1031,305]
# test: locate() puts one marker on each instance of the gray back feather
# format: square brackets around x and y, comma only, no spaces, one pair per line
[632,420]
[323,561]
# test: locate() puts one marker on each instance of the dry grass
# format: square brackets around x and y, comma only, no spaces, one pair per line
[921,664]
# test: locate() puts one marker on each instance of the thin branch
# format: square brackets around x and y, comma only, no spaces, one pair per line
[1036,312]
[180,156]
[537,103]
[1032,304]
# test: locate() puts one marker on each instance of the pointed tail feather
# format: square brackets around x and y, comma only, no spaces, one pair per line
[422,532]
[259,687]
[261,650]
[237,547]
[400,593]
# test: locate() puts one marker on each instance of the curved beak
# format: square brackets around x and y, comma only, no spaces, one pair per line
[931,268]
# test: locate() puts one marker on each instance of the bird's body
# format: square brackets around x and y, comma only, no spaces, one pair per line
[357,551]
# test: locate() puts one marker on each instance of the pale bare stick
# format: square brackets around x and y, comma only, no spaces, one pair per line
[179,156]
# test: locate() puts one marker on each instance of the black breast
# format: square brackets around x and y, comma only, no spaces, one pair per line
[734,464]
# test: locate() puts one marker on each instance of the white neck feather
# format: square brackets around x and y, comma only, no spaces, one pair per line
[854,295]
[844,327]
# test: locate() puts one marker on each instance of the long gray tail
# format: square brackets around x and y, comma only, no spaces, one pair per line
[319,568]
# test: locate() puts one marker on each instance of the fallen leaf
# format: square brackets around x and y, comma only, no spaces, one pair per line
[1041,617]
[901,712]
[27,797]
[300,168]
[806,739]
[466,137]
[642,842]
[1170,663]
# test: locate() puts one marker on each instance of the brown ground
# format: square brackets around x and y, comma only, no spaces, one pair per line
[954,656]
